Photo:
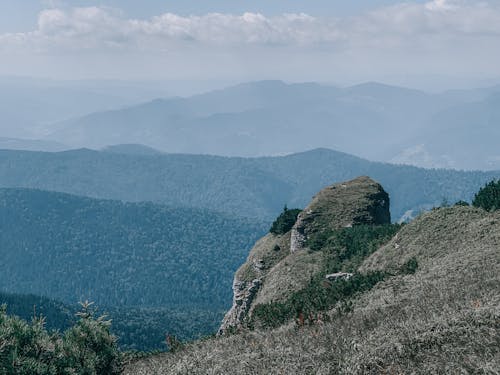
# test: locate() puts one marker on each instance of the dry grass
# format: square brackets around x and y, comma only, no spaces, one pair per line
[444,319]
[270,249]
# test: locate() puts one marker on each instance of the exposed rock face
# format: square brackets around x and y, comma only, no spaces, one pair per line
[244,293]
[359,201]
[277,265]
[266,253]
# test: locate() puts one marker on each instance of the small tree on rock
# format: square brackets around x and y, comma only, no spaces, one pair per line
[285,221]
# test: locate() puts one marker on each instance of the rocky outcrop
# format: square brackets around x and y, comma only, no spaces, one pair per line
[279,265]
[266,253]
[243,295]
[359,201]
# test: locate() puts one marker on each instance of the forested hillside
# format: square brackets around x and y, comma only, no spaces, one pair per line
[73,248]
[254,187]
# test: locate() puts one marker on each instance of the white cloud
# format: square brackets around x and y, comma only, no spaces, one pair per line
[433,35]
[440,5]
[95,27]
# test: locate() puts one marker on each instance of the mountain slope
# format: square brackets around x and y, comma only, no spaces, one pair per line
[373,120]
[255,187]
[130,254]
[473,127]
[263,118]
[30,145]
[439,316]
[278,265]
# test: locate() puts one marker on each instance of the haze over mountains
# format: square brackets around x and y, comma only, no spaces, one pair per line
[28,105]
[371,120]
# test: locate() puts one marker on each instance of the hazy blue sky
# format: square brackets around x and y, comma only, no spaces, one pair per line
[20,15]
[321,40]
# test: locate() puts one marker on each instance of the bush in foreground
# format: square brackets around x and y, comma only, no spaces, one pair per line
[86,348]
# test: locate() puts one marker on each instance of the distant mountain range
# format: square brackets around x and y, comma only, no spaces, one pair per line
[31,145]
[29,105]
[372,120]
[243,187]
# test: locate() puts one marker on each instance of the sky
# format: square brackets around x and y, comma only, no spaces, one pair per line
[412,42]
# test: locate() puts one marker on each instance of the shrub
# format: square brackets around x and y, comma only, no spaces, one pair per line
[86,348]
[316,297]
[488,197]
[462,203]
[285,221]
[346,248]
[25,348]
[410,267]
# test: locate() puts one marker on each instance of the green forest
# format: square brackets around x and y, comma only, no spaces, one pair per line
[131,254]
[154,270]
[248,187]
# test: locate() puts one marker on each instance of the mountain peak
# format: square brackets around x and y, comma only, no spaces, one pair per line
[277,266]
[358,201]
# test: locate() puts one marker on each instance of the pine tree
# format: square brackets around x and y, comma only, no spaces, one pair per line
[488,197]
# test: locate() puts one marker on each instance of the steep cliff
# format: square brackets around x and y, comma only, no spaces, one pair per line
[280,264]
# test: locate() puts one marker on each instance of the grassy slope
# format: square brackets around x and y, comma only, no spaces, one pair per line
[445,318]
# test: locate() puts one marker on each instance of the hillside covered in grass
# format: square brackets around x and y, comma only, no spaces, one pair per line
[422,299]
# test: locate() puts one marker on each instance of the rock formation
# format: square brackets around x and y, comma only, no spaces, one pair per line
[281,264]
[360,201]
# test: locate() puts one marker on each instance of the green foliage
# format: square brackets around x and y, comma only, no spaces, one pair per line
[488,197]
[87,348]
[144,329]
[285,221]
[410,267]
[137,328]
[343,250]
[462,203]
[319,295]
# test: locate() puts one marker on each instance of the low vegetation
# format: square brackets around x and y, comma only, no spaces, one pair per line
[343,250]
[136,328]
[88,347]
[436,312]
